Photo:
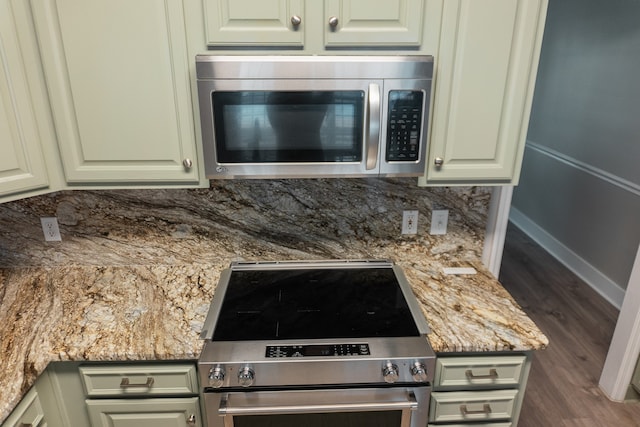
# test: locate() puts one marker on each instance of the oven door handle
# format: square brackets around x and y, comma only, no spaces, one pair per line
[315,402]
[373,126]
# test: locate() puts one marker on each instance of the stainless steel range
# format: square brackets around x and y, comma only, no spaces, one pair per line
[325,343]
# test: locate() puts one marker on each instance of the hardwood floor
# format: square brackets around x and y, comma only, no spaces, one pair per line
[563,383]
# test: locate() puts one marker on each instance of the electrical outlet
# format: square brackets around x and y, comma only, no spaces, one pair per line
[50,229]
[439,219]
[409,222]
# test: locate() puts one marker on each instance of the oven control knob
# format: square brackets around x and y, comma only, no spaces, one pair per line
[246,376]
[390,372]
[216,377]
[419,372]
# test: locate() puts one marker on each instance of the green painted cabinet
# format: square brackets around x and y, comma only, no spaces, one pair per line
[312,26]
[28,413]
[22,164]
[482,388]
[251,22]
[168,412]
[366,23]
[118,76]
[486,69]
[141,394]
[38,407]
[122,394]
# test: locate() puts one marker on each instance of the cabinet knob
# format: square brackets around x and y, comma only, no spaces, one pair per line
[296,20]
[187,163]
[439,161]
[191,420]
[333,21]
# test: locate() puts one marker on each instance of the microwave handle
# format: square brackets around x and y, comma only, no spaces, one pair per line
[373,126]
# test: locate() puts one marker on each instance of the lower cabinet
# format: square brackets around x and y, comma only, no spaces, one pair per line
[161,412]
[141,395]
[38,407]
[477,425]
[481,390]
[113,394]
[28,413]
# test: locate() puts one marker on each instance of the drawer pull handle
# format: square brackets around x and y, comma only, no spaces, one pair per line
[486,410]
[493,374]
[126,384]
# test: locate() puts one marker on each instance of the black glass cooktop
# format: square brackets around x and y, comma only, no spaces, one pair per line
[313,304]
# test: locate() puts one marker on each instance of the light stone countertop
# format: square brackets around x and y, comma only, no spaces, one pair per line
[156,312]
[134,274]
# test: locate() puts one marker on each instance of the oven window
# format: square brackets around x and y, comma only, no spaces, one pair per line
[265,127]
[341,419]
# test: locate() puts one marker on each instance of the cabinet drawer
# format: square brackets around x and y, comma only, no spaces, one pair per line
[167,412]
[475,425]
[478,372]
[139,380]
[472,406]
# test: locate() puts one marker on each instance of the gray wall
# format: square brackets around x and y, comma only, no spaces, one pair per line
[580,180]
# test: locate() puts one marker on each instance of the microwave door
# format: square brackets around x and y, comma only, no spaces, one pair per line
[291,128]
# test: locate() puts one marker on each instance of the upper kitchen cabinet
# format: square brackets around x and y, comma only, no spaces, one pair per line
[486,70]
[255,22]
[316,27]
[118,78]
[367,23]
[22,164]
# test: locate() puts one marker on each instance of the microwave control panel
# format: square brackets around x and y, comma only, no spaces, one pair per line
[404,124]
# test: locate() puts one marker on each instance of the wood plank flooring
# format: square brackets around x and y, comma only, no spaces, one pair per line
[563,383]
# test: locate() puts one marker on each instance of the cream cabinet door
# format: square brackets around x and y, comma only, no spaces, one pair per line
[117,72]
[169,412]
[22,165]
[486,71]
[255,22]
[375,23]
[29,412]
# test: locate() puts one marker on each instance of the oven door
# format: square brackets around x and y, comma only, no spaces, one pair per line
[375,407]
[274,128]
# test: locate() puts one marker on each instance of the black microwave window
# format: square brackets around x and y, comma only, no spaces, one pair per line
[267,127]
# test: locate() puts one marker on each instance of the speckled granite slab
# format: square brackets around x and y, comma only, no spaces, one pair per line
[136,270]
[244,219]
[156,312]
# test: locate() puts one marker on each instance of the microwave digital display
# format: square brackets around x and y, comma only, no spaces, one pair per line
[281,126]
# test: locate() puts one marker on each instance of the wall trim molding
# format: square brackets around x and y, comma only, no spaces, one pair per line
[496,230]
[598,173]
[604,286]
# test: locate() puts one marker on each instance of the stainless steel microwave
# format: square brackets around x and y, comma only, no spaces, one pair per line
[314,116]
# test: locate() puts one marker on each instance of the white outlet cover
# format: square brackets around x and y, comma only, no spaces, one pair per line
[50,229]
[439,219]
[410,222]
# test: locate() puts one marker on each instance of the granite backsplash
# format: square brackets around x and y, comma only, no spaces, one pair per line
[304,219]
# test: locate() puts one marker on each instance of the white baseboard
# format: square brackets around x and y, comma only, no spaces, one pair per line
[607,288]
